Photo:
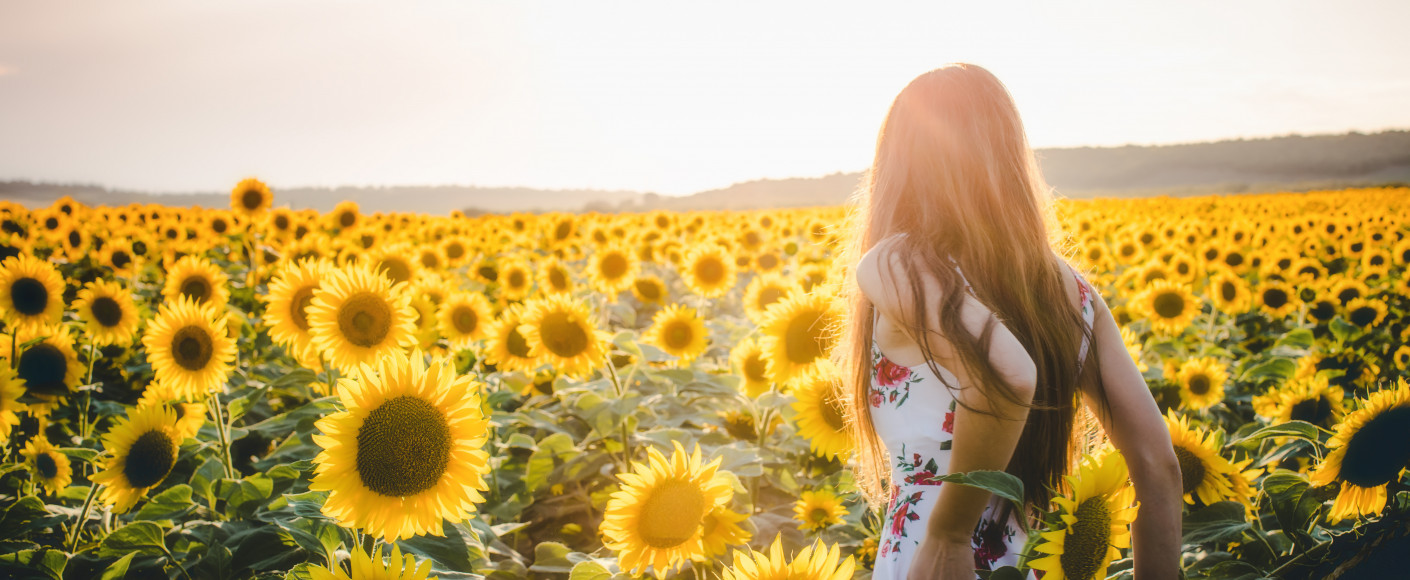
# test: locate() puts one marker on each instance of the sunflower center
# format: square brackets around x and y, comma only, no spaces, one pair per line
[1315,411]
[465,319]
[517,279]
[192,348]
[672,514]
[1087,541]
[298,311]
[47,467]
[1323,310]
[107,311]
[1363,316]
[30,296]
[1169,305]
[1275,297]
[488,273]
[562,335]
[149,459]
[563,230]
[120,259]
[403,447]
[832,409]
[558,278]
[1191,469]
[756,369]
[648,290]
[365,319]
[397,270]
[678,335]
[614,266]
[802,343]
[251,199]
[818,515]
[710,271]
[1199,384]
[768,261]
[516,344]
[219,226]
[197,288]
[42,368]
[768,296]
[1377,452]
[1228,291]
[347,219]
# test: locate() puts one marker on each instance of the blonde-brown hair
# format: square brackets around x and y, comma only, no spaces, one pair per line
[954,172]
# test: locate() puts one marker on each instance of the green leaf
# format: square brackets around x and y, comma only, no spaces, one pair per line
[1297,429]
[34,564]
[591,570]
[458,549]
[167,505]
[118,570]
[20,516]
[89,455]
[1275,368]
[1343,330]
[1293,506]
[1003,573]
[1299,338]
[1219,522]
[203,480]
[137,537]
[307,504]
[554,558]
[999,483]
[552,451]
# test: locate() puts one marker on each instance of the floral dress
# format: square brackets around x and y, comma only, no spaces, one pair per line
[914,415]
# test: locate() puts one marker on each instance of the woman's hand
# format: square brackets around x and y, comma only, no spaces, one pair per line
[942,560]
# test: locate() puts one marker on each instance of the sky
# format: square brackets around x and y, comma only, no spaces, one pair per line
[666,97]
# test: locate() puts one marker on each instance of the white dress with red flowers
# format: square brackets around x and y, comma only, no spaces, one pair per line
[914,416]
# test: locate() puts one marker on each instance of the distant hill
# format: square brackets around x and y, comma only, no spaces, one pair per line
[1286,163]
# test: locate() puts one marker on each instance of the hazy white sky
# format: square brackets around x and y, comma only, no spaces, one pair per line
[652,96]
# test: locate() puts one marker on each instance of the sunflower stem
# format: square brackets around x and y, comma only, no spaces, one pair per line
[84,429]
[14,346]
[626,436]
[213,402]
[82,516]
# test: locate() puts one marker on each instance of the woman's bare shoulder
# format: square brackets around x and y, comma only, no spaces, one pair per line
[880,271]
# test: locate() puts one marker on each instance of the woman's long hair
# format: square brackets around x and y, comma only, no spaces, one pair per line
[954,172]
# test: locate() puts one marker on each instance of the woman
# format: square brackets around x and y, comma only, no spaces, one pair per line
[970,340]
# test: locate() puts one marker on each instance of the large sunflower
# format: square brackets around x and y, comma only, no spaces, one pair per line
[560,333]
[507,348]
[1201,381]
[1368,451]
[752,366]
[251,197]
[108,313]
[1204,473]
[287,304]
[198,279]
[31,292]
[48,367]
[1095,522]
[1170,306]
[364,567]
[189,416]
[678,331]
[797,333]
[464,318]
[358,316]
[656,519]
[708,271]
[407,452]
[821,412]
[50,467]
[142,449]
[189,348]
[816,510]
[818,561]
[611,270]
[1310,398]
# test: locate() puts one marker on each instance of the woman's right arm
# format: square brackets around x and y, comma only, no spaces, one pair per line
[1138,431]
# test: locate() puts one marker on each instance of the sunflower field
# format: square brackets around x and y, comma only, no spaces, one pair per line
[258,392]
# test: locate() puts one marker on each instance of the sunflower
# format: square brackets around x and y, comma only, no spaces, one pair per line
[344,216]
[815,562]
[1310,398]
[426,321]
[750,363]
[394,261]
[198,279]
[108,313]
[1402,357]
[286,305]
[1229,292]
[251,197]
[1353,369]
[1368,452]
[764,291]
[1170,306]
[1201,381]
[560,333]
[407,452]
[817,510]
[1204,473]
[554,277]
[611,270]
[708,271]
[1365,313]
[719,530]
[507,348]
[364,567]
[189,348]
[656,519]
[464,318]
[797,333]
[678,331]
[358,316]
[650,290]
[11,389]
[142,449]
[48,367]
[1275,298]
[516,280]
[190,416]
[118,255]
[31,292]
[1095,520]
[50,467]
[821,412]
